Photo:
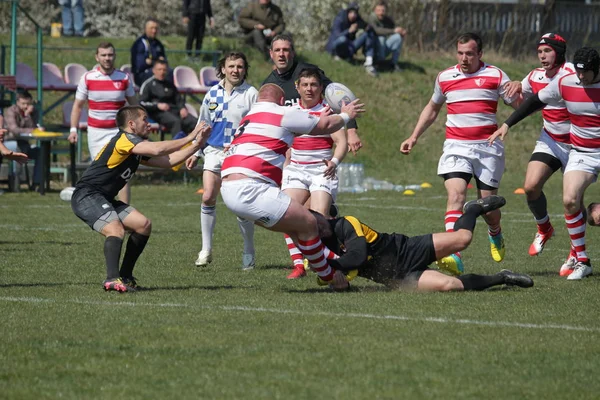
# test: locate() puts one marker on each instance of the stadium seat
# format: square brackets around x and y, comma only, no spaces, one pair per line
[52,79]
[186,80]
[25,77]
[192,110]
[73,73]
[208,76]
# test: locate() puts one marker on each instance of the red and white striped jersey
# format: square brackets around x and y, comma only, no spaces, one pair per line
[311,149]
[105,95]
[262,139]
[472,100]
[556,117]
[583,104]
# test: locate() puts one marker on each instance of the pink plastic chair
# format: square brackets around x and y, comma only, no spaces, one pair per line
[186,80]
[67,107]
[192,110]
[73,73]
[25,77]
[52,79]
[208,76]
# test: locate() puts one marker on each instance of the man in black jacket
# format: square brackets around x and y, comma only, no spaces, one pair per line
[286,73]
[160,98]
[194,16]
[145,50]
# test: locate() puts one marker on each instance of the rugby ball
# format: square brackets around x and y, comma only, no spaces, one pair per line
[336,94]
[67,193]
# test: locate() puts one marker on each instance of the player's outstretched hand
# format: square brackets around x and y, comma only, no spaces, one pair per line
[512,88]
[353,109]
[191,162]
[501,132]
[354,142]
[408,145]
[339,281]
[201,132]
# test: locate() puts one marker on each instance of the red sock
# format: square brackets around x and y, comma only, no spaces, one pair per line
[312,249]
[295,254]
[576,228]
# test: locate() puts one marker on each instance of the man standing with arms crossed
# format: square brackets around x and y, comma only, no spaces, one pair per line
[471,91]
[106,90]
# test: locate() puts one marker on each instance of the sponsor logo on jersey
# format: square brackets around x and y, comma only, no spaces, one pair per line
[212,106]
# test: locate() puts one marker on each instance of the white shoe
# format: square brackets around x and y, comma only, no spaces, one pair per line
[567,268]
[371,70]
[248,262]
[204,258]
[581,271]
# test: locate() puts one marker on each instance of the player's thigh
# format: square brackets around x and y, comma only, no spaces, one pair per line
[434,281]
[446,243]
[135,221]
[300,195]
[255,200]
[298,221]
[538,173]
[574,185]
[321,201]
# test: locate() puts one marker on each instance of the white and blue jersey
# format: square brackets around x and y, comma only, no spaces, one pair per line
[224,111]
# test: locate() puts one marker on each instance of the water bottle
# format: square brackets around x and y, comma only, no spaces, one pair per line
[413,187]
[399,188]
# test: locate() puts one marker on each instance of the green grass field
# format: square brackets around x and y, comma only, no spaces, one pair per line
[220,333]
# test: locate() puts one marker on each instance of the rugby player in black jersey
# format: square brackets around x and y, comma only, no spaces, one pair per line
[398,261]
[94,201]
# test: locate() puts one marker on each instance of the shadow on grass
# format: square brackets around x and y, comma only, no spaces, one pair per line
[276,266]
[3,242]
[188,287]
[47,284]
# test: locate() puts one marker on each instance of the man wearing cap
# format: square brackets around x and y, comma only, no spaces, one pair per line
[551,152]
[343,43]
[580,92]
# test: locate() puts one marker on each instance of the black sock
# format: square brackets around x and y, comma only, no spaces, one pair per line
[467,220]
[480,282]
[112,254]
[539,207]
[135,246]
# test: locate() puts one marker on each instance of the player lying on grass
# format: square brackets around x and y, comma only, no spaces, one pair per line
[94,196]
[398,261]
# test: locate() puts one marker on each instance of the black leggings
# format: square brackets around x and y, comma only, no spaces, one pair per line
[195,31]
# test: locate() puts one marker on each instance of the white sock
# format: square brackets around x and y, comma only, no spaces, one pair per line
[368,61]
[247,230]
[208,219]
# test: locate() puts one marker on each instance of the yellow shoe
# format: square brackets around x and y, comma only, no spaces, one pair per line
[451,264]
[497,247]
[306,265]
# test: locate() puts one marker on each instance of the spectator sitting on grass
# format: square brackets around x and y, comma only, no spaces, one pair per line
[261,21]
[343,42]
[389,36]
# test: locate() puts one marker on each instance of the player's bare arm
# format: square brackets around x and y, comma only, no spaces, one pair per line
[427,117]
[341,149]
[75,116]
[332,123]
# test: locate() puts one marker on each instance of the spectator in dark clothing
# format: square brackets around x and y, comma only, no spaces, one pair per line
[145,50]
[261,20]
[343,43]
[194,16]
[162,101]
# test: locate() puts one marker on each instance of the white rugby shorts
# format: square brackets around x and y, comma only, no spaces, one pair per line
[213,159]
[255,200]
[309,177]
[585,162]
[98,138]
[545,144]
[484,161]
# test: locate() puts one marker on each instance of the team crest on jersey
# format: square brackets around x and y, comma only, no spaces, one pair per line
[118,85]
[479,82]
[212,106]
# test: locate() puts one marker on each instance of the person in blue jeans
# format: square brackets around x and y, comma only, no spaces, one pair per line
[389,36]
[343,41]
[72,17]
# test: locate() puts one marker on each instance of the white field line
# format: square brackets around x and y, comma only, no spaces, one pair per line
[439,320]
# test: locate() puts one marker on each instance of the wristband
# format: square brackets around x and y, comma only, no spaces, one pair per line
[335,161]
[345,117]
[73,130]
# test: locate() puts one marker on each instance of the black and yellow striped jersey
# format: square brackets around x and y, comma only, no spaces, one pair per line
[359,245]
[114,166]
